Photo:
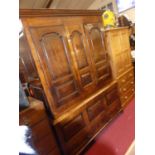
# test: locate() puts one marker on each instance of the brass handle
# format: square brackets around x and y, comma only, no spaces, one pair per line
[124,89]
[131,82]
[130,74]
[123,80]
[125,97]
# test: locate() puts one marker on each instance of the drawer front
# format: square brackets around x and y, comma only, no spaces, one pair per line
[113,109]
[112,96]
[127,86]
[122,81]
[97,106]
[113,102]
[41,130]
[130,74]
[32,116]
[77,143]
[72,127]
[126,78]
[98,123]
[125,98]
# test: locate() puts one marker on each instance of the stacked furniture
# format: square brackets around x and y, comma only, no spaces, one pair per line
[36,119]
[118,47]
[74,73]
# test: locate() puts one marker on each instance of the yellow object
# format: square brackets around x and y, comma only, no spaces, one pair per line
[108,18]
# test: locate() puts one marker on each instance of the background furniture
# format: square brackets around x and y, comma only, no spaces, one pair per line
[36,119]
[118,46]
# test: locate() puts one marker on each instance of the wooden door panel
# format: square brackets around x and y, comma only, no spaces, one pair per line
[56,63]
[27,66]
[86,78]
[119,64]
[97,45]
[127,59]
[96,108]
[72,127]
[124,36]
[81,55]
[79,49]
[116,42]
[98,51]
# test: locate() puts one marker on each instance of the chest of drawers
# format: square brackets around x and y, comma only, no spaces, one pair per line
[119,52]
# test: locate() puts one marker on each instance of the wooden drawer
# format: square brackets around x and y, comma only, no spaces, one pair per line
[41,130]
[113,102]
[44,146]
[127,86]
[77,143]
[125,98]
[72,127]
[130,74]
[112,96]
[98,123]
[113,109]
[32,115]
[74,136]
[123,80]
[96,107]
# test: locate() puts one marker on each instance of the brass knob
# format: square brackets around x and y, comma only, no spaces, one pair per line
[124,89]
[125,97]
[130,74]
[123,80]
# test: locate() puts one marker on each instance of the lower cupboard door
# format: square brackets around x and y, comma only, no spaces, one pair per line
[96,126]
[113,109]
[77,143]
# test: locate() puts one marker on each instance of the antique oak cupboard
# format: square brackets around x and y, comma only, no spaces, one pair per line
[74,71]
[118,47]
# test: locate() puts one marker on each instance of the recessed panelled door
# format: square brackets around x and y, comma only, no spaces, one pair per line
[125,48]
[116,47]
[81,56]
[56,64]
[98,52]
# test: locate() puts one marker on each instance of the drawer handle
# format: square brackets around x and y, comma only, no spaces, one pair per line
[130,75]
[132,82]
[125,97]
[123,80]
[132,89]
[124,89]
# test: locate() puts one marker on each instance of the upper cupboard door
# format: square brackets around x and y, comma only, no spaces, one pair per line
[80,55]
[98,51]
[54,57]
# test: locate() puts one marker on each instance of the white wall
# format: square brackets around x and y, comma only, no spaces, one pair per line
[130,14]
[99,3]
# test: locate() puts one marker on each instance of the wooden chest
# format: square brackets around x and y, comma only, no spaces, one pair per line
[36,119]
